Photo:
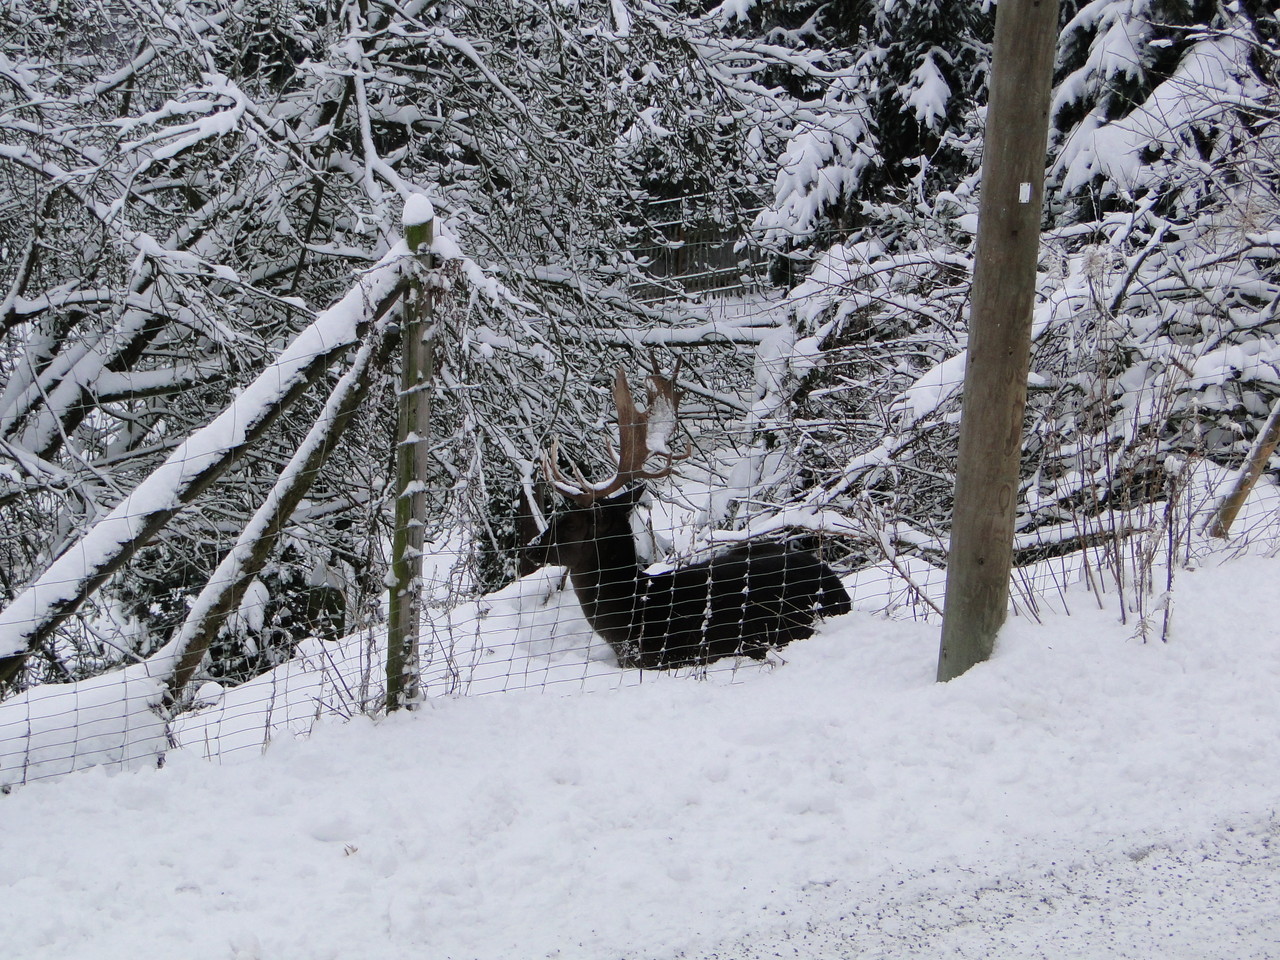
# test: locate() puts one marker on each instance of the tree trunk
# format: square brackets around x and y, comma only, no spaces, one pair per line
[226,588]
[33,615]
[1263,447]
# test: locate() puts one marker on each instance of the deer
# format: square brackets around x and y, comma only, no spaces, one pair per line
[745,602]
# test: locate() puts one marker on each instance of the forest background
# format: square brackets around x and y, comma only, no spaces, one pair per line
[193,193]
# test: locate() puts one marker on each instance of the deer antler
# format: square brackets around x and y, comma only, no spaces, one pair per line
[642,434]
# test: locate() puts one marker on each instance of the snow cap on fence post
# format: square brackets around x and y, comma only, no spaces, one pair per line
[419,221]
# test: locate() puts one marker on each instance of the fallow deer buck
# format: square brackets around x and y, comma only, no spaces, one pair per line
[744,602]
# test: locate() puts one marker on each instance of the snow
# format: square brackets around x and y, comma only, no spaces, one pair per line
[826,157]
[55,729]
[418,210]
[1205,84]
[927,93]
[1084,794]
[165,487]
[621,19]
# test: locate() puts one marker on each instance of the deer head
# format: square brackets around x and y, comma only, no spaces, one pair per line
[598,520]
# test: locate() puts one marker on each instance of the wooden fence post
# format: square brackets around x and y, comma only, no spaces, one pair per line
[1003,298]
[412,462]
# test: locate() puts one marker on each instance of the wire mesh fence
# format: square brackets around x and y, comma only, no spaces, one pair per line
[691,253]
[853,468]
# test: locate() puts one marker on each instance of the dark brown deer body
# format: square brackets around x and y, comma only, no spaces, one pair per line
[741,603]
[744,602]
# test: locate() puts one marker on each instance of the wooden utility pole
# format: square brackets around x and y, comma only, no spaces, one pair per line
[412,462]
[1003,297]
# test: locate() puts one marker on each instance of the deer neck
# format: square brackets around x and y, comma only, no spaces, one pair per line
[606,583]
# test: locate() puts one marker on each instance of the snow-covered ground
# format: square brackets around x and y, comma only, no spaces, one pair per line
[1084,794]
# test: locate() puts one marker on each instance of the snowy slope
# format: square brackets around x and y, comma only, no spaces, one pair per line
[1082,795]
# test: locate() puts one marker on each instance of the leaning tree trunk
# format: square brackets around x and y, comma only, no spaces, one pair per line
[1263,447]
[221,596]
[36,612]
